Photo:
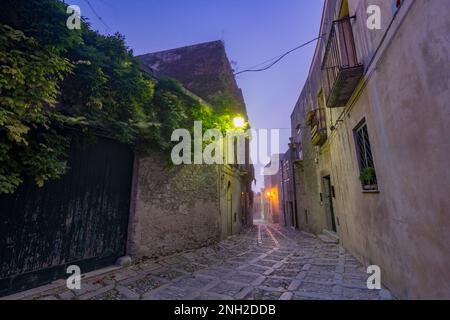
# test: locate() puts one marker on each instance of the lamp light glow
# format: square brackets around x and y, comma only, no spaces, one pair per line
[239,122]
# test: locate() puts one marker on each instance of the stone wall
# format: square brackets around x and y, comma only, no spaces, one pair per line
[174,208]
[202,68]
[183,207]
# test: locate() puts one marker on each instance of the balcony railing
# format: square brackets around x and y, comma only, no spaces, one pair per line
[341,70]
[317,121]
[318,135]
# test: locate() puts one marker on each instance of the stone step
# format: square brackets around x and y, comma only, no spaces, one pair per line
[331,234]
[328,238]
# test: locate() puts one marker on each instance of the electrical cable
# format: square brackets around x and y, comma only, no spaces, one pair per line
[278,59]
[97,15]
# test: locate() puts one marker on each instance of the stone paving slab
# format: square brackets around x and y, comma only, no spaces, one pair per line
[284,265]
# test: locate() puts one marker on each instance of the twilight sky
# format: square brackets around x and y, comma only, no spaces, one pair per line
[254,31]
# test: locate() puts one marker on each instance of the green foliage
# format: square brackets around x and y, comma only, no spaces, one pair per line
[42,20]
[173,107]
[51,77]
[107,86]
[29,76]
[368,175]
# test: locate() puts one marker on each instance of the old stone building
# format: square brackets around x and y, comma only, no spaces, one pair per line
[272,194]
[289,186]
[188,206]
[370,131]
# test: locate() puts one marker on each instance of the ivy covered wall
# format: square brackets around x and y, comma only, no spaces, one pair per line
[52,77]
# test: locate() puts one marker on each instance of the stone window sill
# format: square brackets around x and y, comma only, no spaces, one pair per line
[370,191]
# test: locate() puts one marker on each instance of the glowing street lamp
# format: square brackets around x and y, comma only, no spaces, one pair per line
[269,195]
[239,122]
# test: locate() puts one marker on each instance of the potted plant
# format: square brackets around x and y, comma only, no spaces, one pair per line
[368,178]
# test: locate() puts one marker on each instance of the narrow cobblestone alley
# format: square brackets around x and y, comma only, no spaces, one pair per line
[265,263]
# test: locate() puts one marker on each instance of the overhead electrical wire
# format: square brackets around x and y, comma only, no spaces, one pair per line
[97,15]
[251,69]
[265,62]
[277,59]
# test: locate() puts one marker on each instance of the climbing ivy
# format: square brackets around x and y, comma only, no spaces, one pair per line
[176,108]
[52,77]
[29,76]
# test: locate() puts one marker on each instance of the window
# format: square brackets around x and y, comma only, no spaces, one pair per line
[366,165]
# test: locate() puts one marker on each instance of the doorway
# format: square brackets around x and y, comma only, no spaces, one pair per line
[291,214]
[229,210]
[328,202]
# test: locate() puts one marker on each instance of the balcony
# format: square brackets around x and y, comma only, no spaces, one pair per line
[317,120]
[341,70]
[318,135]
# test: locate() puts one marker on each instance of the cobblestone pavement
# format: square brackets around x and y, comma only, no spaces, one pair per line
[267,262]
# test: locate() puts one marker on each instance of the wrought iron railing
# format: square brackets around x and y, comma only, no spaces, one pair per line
[340,53]
[317,122]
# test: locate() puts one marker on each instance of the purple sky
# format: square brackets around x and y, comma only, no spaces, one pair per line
[253,30]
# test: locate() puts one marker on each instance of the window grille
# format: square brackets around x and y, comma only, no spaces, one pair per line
[365,158]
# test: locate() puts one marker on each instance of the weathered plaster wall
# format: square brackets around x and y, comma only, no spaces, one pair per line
[315,166]
[175,208]
[310,189]
[229,176]
[405,229]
